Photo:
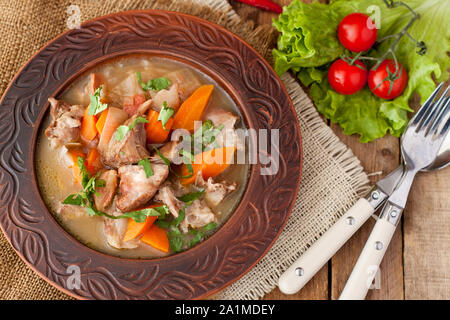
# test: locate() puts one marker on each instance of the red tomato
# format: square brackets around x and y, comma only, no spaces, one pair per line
[357,32]
[384,89]
[346,78]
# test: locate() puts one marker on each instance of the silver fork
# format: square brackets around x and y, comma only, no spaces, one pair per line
[420,144]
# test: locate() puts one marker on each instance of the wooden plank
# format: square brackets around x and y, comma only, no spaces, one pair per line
[380,155]
[427,238]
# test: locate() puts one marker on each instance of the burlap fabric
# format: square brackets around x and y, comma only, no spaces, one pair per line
[332,177]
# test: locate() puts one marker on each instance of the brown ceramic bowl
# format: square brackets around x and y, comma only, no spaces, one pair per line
[208,267]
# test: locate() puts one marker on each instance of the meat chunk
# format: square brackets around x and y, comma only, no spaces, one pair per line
[187,82]
[222,117]
[227,136]
[129,150]
[104,195]
[131,104]
[70,212]
[65,126]
[170,151]
[115,229]
[144,107]
[170,96]
[214,192]
[197,215]
[167,196]
[135,188]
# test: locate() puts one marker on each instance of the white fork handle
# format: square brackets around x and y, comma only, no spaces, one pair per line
[368,262]
[291,281]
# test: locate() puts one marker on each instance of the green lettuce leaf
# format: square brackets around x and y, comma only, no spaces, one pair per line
[308,44]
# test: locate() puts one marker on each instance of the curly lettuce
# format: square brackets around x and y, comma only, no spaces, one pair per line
[308,44]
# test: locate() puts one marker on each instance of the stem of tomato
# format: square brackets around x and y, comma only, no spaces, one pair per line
[398,36]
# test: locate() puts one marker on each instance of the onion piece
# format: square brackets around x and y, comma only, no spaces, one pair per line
[114,119]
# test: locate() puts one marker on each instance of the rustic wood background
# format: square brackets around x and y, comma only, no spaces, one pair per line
[416,265]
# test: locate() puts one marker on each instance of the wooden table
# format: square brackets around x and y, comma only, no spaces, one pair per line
[416,264]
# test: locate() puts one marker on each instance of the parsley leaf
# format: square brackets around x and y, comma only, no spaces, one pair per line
[73,199]
[204,137]
[96,106]
[191,197]
[122,130]
[186,159]
[165,114]
[198,237]
[140,215]
[164,159]
[176,222]
[155,85]
[175,242]
[84,174]
[162,224]
[147,167]
[210,226]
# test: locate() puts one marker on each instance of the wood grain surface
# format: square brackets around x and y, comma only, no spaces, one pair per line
[417,263]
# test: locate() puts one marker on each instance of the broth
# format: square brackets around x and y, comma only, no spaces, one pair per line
[56,179]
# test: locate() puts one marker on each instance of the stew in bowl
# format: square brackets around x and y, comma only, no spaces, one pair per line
[122,167]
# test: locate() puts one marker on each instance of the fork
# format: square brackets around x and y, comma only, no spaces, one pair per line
[419,147]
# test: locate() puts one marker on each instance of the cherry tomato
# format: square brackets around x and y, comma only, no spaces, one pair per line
[346,78]
[357,32]
[381,87]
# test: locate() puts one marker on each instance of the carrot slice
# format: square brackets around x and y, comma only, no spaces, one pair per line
[74,154]
[135,229]
[94,162]
[196,167]
[157,238]
[88,129]
[215,161]
[212,163]
[192,108]
[154,129]
[101,121]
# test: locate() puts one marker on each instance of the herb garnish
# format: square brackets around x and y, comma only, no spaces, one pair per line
[204,138]
[191,197]
[164,159]
[96,106]
[165,114]
[147,167]
[84,198]
[186,159]
[155,85]
[199,235]
[122,130]
[177,240]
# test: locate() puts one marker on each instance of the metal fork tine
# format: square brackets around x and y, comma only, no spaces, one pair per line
[433,115]
[432,112]
[443,112]
[423,110]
